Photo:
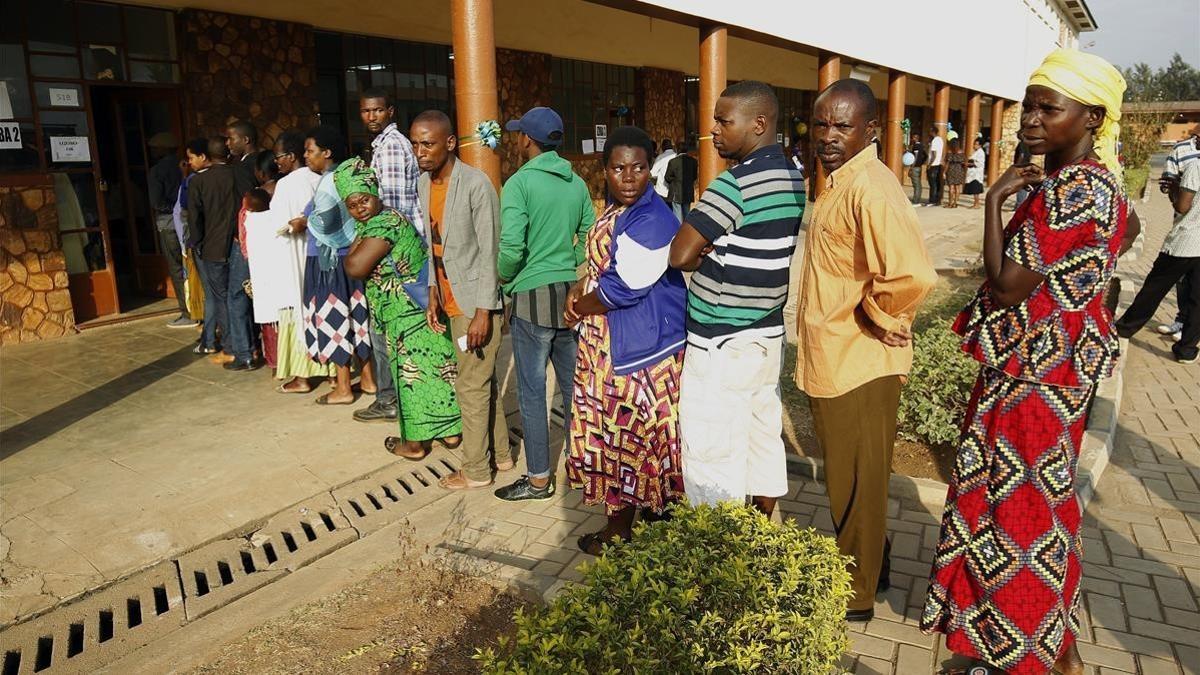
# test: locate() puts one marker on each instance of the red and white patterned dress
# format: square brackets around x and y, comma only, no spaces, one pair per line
[624,436]
[1005,581]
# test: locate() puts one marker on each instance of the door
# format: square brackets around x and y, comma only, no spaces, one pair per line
[138,121]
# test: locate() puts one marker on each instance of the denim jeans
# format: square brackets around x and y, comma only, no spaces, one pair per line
[226,303]
[386,392]
[214,276]
[934,176]
[533,348]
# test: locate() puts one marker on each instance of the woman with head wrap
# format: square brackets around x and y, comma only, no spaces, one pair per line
[391,256]
[1005,581]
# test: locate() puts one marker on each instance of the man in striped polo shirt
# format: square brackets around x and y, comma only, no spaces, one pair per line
[738,239]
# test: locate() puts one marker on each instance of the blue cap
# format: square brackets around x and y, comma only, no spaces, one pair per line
[541,124]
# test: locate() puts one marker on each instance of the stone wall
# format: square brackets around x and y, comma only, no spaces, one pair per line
[523,81]
[661,103]
[35,301]
[1008,136]
[240,67]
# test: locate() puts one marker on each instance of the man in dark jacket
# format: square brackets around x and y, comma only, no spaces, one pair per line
[681,181]
[213,204]
[163,182]
[917,148]
[242,140]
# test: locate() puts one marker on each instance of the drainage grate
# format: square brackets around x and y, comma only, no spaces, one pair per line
[394,491]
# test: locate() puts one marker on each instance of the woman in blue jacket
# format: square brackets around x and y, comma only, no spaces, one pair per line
[629,312]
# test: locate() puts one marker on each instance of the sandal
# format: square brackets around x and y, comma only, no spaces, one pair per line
[323,399]
[593,544]
[459,481]
[451,441]
[395,445]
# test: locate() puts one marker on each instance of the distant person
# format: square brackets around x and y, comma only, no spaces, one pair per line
[659,169]
[681,181]
[1183,154]
[213,205]
[917,148]
[955,172]
[865,274]
[545,214]
[1179,260]
[741,234]
[241,138]
[975,165]
[164,179]
[937,154]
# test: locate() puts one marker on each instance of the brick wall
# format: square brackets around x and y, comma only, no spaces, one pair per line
[35,301]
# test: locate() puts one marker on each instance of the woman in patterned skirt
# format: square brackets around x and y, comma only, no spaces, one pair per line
[629,312]
[335,306]
[391,256]
[1005,582]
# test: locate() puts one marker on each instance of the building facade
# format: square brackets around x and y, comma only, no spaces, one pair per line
[85,85]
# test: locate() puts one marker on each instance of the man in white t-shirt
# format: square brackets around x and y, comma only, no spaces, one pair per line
[658,171]
[937,150]
[1183,154]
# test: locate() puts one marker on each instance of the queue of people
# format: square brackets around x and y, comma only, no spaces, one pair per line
[405,270]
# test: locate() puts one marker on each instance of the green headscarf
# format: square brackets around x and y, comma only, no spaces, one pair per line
[353,176]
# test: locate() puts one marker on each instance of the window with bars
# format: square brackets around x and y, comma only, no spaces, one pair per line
[419,76]
[588,94]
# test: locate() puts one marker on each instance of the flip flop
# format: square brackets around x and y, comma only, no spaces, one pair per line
[459,481]
[323,399]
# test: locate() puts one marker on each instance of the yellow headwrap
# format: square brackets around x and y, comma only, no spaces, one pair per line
[1091,80]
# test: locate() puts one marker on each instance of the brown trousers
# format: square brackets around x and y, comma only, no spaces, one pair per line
[857,432]
[483,425]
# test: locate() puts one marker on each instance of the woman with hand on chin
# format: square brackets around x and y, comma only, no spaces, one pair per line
[629,314]
[1005,583]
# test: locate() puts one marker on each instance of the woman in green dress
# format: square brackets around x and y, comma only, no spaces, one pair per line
[390,255]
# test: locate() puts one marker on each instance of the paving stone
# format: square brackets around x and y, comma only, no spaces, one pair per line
[897,632]
[1189,658]
[1105,656]
[913,660]
[906,545]
[1132,643]
[1173,592]
[1164,631]
[870,666]
[867,645]
[1150,536]
[536,522]
[1106,612]
[1146,566]
[1151,666]
[1181,618]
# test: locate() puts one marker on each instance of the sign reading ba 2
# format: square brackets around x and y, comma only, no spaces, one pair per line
[10,136]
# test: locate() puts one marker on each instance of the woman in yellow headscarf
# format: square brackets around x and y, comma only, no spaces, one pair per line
[1005,581]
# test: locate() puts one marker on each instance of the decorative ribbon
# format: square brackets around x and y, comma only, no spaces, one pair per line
[486,133]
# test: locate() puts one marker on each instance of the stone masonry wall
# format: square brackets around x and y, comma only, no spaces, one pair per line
[661,99]
[240,67]
[35,301]
[523,81]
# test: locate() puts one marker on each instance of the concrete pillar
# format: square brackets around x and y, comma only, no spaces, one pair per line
[941,107]
[893,149]
[712,82]
[974,100]
[475,92]
[829,70]
[993,170]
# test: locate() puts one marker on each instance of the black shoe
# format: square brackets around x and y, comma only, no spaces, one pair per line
[523,490]
[201,350]
[860,615]
[376,412]
[241,365]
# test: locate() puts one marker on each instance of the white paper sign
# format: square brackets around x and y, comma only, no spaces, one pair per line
[69,149]
[66,98]
[600,144]
[6,111]
[601,131]
[10,136]
[589,146]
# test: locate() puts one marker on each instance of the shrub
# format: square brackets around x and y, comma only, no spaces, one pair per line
[712,590]
[934,400]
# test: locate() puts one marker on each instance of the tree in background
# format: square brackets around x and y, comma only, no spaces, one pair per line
[1141,130]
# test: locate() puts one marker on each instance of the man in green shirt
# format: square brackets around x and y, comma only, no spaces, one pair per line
[545,214]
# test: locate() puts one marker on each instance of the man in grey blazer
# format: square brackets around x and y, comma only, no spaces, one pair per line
[463,217]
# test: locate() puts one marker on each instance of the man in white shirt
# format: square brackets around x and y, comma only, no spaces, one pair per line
[1183,154]
[659,170]
[937,150]
[1178,260]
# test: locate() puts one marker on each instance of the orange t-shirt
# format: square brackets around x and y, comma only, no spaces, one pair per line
[437,204]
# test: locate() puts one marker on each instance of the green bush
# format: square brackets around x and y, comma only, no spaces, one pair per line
[934,400]
[1135,181]
[711,590]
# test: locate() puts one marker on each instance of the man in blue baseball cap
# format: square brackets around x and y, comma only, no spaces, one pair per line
[545,214]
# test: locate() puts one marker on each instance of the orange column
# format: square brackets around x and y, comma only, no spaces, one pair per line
[712,82]
[475,91]
[974,100]
[941,108]
[893,149]
[829,70]
[993,171]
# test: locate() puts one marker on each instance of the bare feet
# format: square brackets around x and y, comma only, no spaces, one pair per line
[297,385]
[334,398]
[459,481]
[1069,663]
[505,463]
[413,451]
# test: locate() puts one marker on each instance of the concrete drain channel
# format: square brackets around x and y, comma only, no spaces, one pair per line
[107,623]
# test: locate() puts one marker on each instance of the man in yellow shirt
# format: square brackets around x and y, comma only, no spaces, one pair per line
[865,273]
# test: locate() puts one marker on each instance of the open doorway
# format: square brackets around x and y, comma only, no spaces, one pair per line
[135,128]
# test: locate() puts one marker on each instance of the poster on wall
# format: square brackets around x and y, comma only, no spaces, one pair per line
[64,98]
[70,149]
[589,146]
[10,136]
[601,131]
[6,111]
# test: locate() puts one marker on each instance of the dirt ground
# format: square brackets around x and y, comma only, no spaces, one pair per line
[409,617]
[910,458]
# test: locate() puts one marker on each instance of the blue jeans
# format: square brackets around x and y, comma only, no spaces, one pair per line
[533,348]
[226,303]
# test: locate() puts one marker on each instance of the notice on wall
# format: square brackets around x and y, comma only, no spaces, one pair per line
[589,146]
[65,98]
[10,136]
[601,131]
[6,111]
[69,149]
[600,144]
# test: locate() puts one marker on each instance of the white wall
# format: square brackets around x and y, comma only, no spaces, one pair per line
[984,45]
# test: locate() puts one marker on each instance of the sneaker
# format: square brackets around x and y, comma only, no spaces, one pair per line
[376,412]
[241,365]
[181,322]
[1194,359]
[1174,329]
[523,490]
